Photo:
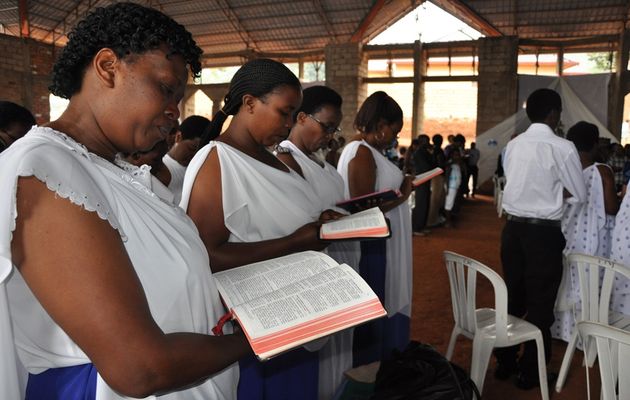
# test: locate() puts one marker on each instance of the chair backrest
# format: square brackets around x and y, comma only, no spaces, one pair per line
[462,276]
[595,297]
[613,353]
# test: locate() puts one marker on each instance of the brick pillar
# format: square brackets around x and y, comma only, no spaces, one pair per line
[619,85]
[25,69]
[497,88]
[419,72]
[346,66]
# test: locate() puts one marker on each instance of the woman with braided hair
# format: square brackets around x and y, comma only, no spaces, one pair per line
[385,264]
[249,206]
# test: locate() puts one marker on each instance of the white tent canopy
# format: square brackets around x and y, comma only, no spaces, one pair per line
[595,92]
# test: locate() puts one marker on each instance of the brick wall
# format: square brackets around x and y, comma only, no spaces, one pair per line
[25,68]
[346,66]
[498,81]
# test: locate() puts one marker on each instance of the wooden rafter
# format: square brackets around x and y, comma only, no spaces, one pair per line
[25,30]
[238,26]
[72,15]
[360,32]
[324,17]
[466,11]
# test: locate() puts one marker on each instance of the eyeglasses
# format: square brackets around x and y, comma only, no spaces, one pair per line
[329,129]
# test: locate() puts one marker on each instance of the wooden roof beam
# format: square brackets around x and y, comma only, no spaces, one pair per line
[25,30]
[238,26]
[324,17]
[360,32]
[464,10]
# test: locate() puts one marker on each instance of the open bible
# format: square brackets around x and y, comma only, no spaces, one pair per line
[367,224]
[285,302]
[426,176]
[368,200]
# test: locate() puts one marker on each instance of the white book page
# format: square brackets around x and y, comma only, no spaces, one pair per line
[372,218]
[242,284]
[421,178]
[323,294]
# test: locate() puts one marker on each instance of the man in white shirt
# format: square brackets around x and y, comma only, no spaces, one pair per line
[542,170]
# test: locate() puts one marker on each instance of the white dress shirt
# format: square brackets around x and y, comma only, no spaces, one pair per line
[538,166]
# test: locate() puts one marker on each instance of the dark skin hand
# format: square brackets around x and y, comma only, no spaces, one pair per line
[362,179]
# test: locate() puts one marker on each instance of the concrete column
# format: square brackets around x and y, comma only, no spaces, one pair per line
[419,72]
[498,81]
[618,87]
[346,66]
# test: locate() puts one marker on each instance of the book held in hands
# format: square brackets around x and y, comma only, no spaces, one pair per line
[288,301]
[359,203]
[426,176]
[367,224]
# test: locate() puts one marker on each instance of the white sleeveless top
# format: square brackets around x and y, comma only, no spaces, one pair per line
[398,274]
[157,236]
[260,202]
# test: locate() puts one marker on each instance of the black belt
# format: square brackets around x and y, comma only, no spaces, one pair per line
[534,221]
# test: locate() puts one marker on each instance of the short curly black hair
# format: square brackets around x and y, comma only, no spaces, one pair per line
[126,28]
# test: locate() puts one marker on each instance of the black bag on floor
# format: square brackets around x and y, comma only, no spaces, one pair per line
[420,372]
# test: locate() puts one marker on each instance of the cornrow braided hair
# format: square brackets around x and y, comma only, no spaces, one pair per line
[258,78]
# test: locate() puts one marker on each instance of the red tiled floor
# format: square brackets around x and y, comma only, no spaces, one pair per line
[476,235]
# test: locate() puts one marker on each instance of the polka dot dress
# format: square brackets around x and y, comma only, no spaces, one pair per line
[588,230]
[620,252]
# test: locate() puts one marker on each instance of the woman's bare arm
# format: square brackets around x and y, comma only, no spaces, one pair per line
[288,159]
[76,265]
[206,210]
[362,179]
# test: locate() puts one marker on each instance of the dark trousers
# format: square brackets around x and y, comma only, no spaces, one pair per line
[421,210]
[473,171]
[532,268]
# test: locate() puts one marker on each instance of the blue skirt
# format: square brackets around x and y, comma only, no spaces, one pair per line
[289,376]
[69,383]
[376,340]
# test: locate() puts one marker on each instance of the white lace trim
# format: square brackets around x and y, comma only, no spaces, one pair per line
[65,191]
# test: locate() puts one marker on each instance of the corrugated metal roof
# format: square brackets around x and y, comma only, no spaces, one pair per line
[228,30]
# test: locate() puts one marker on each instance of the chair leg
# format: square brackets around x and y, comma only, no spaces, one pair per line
[451,343]
[542,367]
[590,352]
[482,350]
[566,361]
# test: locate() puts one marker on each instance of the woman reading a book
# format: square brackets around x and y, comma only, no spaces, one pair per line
[249,206]
[385,264]
[315,123]
[99,298]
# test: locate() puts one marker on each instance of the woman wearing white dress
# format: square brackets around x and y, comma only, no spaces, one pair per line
[587,227]
[249,206]
[385,264]
[105,289]
[316,121]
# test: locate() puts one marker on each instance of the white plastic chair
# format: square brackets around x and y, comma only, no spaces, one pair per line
[594,303]
[613,352]
[488,328]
